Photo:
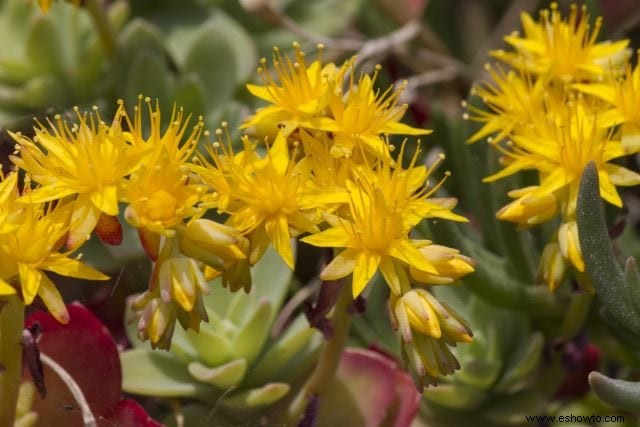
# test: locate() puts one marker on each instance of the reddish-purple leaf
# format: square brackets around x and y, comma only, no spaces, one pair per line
[129,413]
[85,349]
[369,390]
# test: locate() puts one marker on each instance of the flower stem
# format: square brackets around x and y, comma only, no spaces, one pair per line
[102,25]
[327,365]
[11,325]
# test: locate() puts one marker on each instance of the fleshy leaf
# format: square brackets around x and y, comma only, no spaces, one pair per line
[225,376]
[153,373]
[257,397]
[606,275]
[250,340]
[278,357]
[617,393]
[369,389]
[86,350]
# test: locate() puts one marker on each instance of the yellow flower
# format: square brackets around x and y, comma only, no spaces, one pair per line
[162,192]
[303,91]
[623,98]
[510,97]
[383,207]
[362,116]
[31,248]
[559,143]
[264,196]
[559,146]
[562,49]
[89,160]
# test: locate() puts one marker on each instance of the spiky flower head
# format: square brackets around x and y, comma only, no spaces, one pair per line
[298,91]
[562,49]
[88,160]
[35,234]
[558,110]
[383,206]
[264,196]
[161,194]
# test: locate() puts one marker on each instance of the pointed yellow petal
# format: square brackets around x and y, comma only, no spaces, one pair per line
[49,294]
[403,129]
[278,231]
[65,266]
[621,176]
[260,91]
[366,266]
[405,251]
[30,279]
[330,238]
[106,199]
[395,277]
[46,193]
[83,220]
[342,265]
[608,190]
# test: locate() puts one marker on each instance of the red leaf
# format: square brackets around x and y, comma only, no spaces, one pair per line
[129,413]
[86,350]
[370,390]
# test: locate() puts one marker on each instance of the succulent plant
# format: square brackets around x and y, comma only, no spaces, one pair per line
[234,360]
[619,291]
[50,61]
[498,370]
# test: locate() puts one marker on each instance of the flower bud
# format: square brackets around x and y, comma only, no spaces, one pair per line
[448,262]
[552,266]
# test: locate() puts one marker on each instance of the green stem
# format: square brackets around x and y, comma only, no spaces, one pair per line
[11,325]
[102,25]
[327,365]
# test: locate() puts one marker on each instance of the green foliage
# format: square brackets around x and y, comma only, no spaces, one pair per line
[234,360]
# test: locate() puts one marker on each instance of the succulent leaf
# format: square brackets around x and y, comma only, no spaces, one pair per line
[153,373]
[616,293]
[617,393]
[224,376]
[262,396]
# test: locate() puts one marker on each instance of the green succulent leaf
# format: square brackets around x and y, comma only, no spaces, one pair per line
[271,278]
[243,48]
[456,396]
[44,91]
[616,293]
[617,393]
[149,76]
[523,362]
[153,373]
[44,46]
[253,334]
[212,348]
[139,36]
[225,376]
[480,360]
[278,357]
[189,94]
[257,397]
[210,58]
